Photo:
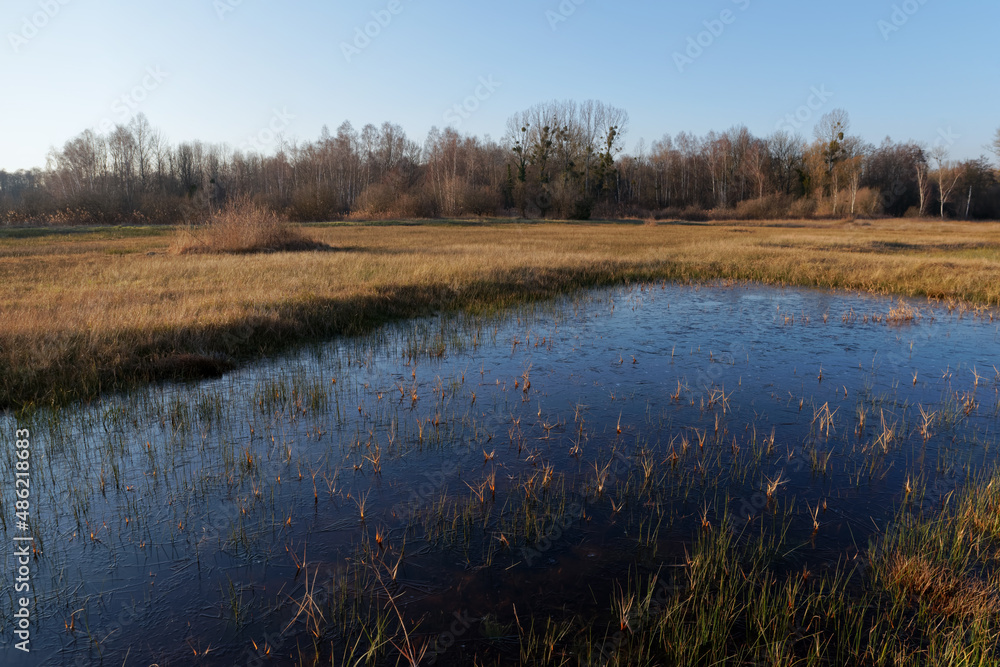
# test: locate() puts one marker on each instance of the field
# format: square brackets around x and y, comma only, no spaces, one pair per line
[85,311]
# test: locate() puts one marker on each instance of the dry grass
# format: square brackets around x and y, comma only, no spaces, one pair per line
[940,590]
[903,313]
[84,312]
[242,227]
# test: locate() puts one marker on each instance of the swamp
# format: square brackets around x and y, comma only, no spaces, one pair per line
[654,473]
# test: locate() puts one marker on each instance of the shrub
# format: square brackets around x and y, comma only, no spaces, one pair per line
[802,209]
[416,203]
[582,210]
[868,204]
[314,204]
[376,202]
[771,207]
[161,208]
[243,226]
[480,200]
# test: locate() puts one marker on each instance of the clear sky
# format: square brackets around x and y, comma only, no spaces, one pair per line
[224,70]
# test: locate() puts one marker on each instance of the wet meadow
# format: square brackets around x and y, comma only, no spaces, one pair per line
[648,474]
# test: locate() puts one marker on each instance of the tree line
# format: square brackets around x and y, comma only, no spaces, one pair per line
[555,160]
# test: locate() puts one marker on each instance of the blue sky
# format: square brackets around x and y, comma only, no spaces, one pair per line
[226,70]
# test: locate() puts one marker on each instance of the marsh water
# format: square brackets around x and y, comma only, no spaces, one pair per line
[488,470]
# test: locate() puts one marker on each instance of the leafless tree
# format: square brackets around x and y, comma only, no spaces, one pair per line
[831,131]
[561,156]
[947,174]
[786,153]
[758,164]
[855,158]
[923,184]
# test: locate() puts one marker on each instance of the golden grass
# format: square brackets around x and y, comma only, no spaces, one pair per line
[242,227]
[85,312]
[903,313]
[939,589]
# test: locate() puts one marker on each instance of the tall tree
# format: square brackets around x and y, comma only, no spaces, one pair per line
[995,146]
[122,148]
[855,160]
[831,132]
[787,152]
[924,186]
[758,164]
[892,171]
[978,178]
[947,174]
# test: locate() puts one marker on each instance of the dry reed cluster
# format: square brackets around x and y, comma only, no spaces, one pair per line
[243,226]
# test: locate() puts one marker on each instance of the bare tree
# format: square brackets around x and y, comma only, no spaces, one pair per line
[892,171]
[995,146]
[923,186]
[122,148]
[563,154]
[80,166]
[786,153]
[947,174]
[831,131]
[856,154]
[716,154]
[145,143]
[757,161]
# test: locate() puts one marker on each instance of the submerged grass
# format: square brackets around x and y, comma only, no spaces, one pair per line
[82,314]
[923,593]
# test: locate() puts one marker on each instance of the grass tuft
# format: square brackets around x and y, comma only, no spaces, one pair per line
[243,226]
[938,589]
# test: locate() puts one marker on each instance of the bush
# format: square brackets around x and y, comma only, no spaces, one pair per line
[688,214]
[161,208]
[582,210]
[802,209]
[382,201]
[376,202]
[868,203]
[480,200]
[314,204]
[244,226]
[771,207]
[416,203]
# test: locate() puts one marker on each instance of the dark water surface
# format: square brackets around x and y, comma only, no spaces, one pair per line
[601,431]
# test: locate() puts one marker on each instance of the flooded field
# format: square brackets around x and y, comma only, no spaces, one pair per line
[533,487]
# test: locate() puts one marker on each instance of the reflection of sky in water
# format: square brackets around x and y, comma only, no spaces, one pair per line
[612,358]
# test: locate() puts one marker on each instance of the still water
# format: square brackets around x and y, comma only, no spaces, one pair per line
[474,465]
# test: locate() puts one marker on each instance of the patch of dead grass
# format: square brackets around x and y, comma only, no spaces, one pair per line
[939,589]
[243,227]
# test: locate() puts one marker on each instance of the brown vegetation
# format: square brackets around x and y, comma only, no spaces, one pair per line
[85,311]
[243,226]
[939,589]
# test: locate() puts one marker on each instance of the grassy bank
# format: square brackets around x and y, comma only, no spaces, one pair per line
[86,311]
